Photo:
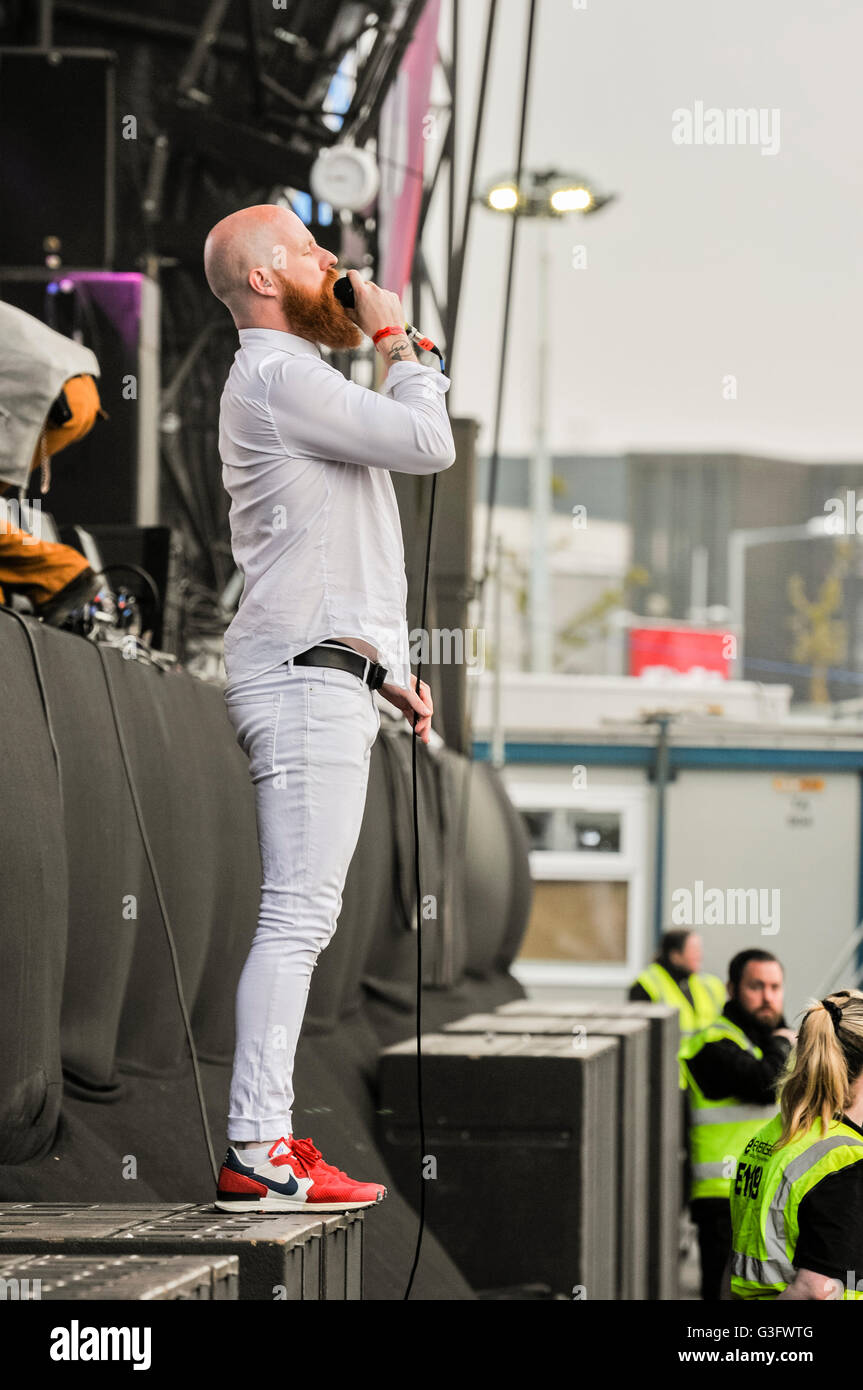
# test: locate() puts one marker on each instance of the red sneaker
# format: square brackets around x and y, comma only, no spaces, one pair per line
[293,1177]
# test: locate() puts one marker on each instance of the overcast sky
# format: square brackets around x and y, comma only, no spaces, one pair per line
[717,261]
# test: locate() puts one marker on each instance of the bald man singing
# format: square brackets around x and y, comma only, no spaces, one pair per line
[321,627]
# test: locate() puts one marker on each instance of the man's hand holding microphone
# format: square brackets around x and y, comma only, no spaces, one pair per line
[375,310]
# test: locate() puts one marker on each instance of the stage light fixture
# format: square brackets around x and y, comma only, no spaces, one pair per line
[503,197]
[345,176]
[571,199]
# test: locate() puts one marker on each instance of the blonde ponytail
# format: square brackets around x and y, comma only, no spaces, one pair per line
[823,1067]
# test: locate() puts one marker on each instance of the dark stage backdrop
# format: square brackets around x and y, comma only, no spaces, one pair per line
[94,1064]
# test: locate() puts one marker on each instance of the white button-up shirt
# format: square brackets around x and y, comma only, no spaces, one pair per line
[315,525]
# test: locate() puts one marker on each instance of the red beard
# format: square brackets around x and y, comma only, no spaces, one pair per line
[319,317]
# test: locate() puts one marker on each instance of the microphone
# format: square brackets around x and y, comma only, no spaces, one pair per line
[344,293]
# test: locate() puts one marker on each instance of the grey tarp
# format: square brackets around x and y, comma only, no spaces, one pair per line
[34,363]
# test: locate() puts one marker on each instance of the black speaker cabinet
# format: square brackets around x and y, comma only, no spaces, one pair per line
[632,1108]
[665,1133]
[521,1157]
[57,141]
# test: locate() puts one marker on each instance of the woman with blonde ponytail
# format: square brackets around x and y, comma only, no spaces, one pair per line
[817,1084]
[797,1196]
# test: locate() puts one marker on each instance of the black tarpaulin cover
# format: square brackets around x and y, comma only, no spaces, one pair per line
[97,1099]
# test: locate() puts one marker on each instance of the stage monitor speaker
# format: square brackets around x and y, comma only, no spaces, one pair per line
[148,547]
[57,137]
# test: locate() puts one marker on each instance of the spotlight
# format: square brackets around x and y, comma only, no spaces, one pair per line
[503,198]
[571,199]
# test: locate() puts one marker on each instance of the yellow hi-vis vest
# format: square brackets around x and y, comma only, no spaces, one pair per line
[718,1129]
[708,1000]
[708,996]
[765,1198]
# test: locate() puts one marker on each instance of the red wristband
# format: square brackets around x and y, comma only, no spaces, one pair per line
[385,333]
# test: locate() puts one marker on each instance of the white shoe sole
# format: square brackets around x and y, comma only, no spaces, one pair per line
[276,1203]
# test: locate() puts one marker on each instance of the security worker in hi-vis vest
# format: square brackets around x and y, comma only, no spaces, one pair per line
[797,1195]
[731,1068]
[674,978]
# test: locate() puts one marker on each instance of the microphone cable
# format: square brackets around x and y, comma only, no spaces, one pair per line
[163,911]
[343,291]
[428,346]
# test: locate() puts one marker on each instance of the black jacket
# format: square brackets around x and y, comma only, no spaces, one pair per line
[723,1069]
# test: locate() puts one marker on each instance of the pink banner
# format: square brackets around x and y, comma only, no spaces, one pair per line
[402,140]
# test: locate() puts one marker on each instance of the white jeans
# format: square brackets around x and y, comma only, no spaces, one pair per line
[308,733]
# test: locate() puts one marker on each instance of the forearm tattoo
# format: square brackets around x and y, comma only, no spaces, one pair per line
[400,350]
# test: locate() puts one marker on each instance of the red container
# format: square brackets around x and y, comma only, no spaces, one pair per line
[679,649]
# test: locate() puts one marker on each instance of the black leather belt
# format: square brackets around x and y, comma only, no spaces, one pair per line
[344,659]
